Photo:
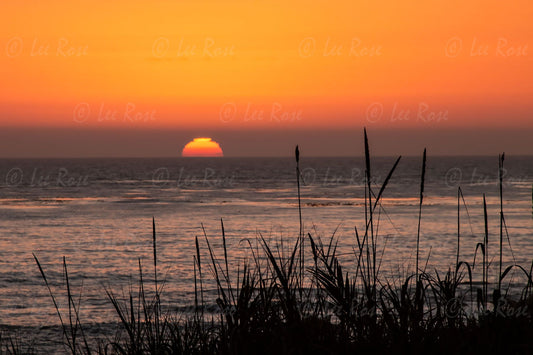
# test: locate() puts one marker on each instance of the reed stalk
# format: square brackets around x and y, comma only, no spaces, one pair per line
[301,233]
[500,178]
[485,254]
[422,180]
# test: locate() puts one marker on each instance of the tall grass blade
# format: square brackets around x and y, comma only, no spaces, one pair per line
[301,233]
[199,263]
[500,178]
[486,253]
[422,181]
[157,306]
[386,182]
[63,327]
[225,249]
[458,225]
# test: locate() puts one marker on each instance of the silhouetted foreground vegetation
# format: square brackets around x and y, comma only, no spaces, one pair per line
[278,302]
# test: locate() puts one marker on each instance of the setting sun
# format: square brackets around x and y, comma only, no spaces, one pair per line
[202,147]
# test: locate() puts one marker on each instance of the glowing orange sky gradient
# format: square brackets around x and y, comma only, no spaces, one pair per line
[241,64]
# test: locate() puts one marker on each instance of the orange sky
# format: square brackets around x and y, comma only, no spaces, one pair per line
[248,64]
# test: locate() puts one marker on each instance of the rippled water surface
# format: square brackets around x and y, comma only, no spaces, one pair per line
[98,214]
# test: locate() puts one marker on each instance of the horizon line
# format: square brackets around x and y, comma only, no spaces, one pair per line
[268,157]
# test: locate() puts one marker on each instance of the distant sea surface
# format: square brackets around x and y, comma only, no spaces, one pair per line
[98,214]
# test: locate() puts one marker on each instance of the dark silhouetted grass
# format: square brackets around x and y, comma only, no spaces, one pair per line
[274,303]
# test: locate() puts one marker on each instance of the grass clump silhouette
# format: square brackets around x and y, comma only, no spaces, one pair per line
[275,303]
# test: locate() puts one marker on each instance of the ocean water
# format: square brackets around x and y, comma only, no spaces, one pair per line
[98,214]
